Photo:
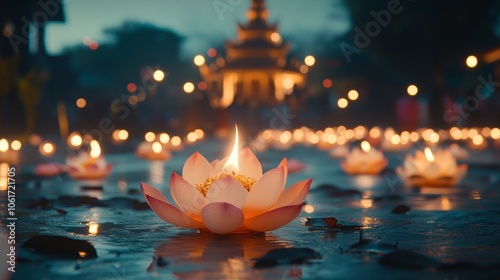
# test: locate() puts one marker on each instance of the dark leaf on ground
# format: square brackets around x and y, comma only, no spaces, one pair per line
[400,209]
[286,256]
[333,191]
[61,246]
[330,223]
[408,259]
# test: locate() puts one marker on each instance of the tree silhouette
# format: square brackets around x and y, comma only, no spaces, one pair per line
[426,41]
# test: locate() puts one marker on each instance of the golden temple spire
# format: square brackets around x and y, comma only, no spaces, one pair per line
[258,11]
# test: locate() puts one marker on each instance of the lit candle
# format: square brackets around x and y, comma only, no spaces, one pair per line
[47,149]
[153,151]
[9,155]
[365,161]
[478,143]
[229,195]
[89,165]
[431,169]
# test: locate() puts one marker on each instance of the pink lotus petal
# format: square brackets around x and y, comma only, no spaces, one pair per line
[227,189]
[221,217]
[284,164]
[196,169]
[219,165]
[214,163]
[49,169]
[265,192]
[148,190]
[293,195]
[186,196]
[274,219]
[172,215]
[248,164]
[90,174]
[295,165]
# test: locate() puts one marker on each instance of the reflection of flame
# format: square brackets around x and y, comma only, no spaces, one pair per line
[366,203]
[156,147]
[82,254]
[232,163]
[93,228]
[156,172]
[445,204]
[95,149]
[428,154]
[365,146]
[4,170]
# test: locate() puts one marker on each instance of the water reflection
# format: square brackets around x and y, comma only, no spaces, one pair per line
[156,172]
[445,204]
[365,181]
[4,170]
[122,186]
[93,228]
[207,255]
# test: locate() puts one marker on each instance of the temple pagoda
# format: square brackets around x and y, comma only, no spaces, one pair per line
[256,70]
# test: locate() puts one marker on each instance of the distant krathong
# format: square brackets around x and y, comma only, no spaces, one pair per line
[365,161]
[89,165]
[426,168]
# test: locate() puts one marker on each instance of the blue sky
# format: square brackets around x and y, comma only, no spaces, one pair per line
[301,21]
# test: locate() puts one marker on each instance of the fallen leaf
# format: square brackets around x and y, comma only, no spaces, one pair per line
[286,256]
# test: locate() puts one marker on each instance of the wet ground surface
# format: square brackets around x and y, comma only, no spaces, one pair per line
[459,228]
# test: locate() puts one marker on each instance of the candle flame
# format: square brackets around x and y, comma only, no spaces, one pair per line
[95,149]
[232,162]
[156,147]
[428,154]
[365,146]
[4,145]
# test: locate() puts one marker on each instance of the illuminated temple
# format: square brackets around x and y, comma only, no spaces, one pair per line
[256,70]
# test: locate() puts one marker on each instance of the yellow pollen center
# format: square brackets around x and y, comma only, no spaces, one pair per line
[246,182]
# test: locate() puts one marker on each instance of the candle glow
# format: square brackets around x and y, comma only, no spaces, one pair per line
[428,154]
[232,163]
[95,149]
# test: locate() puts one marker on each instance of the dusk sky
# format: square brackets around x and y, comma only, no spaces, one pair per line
[299,20]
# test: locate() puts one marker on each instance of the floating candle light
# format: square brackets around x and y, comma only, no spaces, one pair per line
[9,155]
[365,161]
[47,149]
[478,143]
[431,169]
[89,165]
[229,195]
[4,176]
[153,151]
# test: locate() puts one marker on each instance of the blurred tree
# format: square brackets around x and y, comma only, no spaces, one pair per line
[420,40]
[133,47]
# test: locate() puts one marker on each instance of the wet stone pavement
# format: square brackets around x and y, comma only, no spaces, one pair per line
[435,233]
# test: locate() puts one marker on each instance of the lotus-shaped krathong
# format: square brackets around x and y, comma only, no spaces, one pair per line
[431,169]
[367,161]
[230,195]
[89,165]
[49,169]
